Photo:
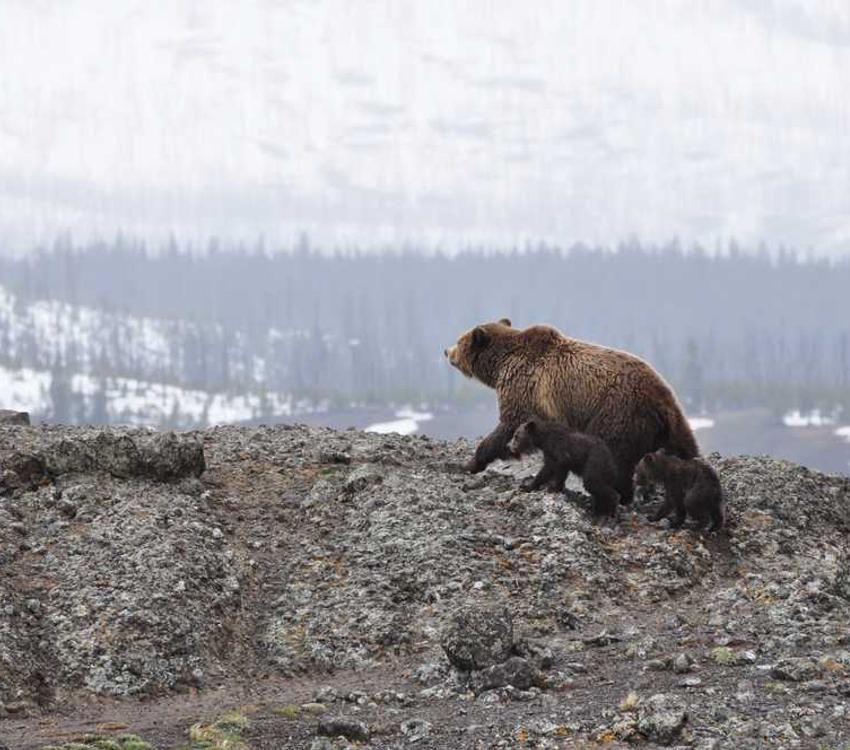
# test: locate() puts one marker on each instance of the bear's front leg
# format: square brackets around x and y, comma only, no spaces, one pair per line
[543,476]
[494,446]
[558,479]
[665,509]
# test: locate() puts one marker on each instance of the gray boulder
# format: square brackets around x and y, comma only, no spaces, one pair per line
[662,718]
[20,469]
[158,456]
[478,637]
[795,669]
[9,417]
[343,726]
[516,672]
[167,455]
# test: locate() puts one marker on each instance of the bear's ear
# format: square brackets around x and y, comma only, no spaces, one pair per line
[479,337]
[506,322]
[531,425]
[649,459]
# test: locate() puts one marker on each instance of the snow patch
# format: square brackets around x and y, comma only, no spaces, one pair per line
[813,418]
[700,423]
[24,389]
[406,422]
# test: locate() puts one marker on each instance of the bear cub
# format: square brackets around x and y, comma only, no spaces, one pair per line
[691,487]
[566,451]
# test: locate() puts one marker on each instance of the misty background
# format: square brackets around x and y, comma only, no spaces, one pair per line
[285,210]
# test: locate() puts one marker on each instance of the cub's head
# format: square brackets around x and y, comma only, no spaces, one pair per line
[524,439]
[471,353]
[651,468]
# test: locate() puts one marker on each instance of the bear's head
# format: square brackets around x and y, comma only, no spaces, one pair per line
[476,353]
[523,440]
[651,468]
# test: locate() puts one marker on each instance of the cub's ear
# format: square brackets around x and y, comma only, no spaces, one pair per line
[506,322]
[479,337]
[648,459]
[531,425]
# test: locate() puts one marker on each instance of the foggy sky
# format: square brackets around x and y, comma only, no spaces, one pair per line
[439,122]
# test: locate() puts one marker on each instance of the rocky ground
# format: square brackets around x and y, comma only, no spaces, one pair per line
[296,587]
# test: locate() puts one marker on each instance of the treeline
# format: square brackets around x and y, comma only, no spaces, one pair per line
[728,329]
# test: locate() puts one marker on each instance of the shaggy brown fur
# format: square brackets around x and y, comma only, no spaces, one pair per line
[565,451]
[691,487]
[539,372]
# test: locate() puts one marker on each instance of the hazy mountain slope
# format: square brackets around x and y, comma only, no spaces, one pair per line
[440,123]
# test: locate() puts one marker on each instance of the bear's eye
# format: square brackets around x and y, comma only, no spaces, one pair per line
[479,337]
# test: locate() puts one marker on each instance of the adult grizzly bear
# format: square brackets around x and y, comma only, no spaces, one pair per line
[539,372]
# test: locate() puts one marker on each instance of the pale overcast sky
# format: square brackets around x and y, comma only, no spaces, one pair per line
[436,121]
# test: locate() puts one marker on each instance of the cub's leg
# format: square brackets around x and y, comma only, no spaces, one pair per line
[605,498]
[718,515]
[678,506]
[703,504]
[665,508]
[545,475]
[558,480]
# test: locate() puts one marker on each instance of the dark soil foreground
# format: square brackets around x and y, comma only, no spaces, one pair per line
[309,588]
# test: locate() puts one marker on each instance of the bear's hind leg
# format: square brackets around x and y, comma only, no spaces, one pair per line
[624,483]
[703,504]
[604,497]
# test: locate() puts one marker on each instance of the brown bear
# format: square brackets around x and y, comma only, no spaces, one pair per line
[691,487]
[565,451]
[539,372]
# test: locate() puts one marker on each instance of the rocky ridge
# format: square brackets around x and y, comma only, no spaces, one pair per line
[465,612]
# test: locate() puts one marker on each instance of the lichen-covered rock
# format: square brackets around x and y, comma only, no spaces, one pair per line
[796,669]
[9,417]
[478,636]
[415,730]
[361,478]
[168,455]
[157,456]
[662,718]
[516,671]
[20,469]
[343,726]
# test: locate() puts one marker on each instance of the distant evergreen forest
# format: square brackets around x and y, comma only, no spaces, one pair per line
[728,328]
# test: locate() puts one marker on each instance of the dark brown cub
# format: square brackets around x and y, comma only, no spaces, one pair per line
[566,451]
[691,487]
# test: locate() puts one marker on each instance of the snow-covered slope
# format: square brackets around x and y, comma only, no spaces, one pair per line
[129,401]
[94,362]
[53,328]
